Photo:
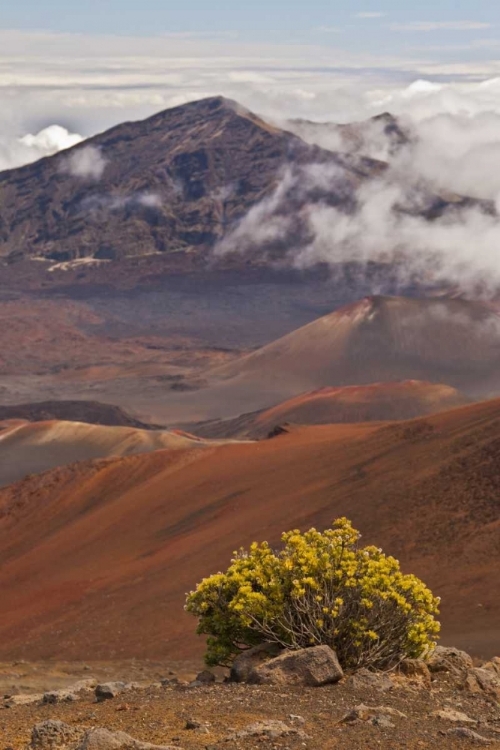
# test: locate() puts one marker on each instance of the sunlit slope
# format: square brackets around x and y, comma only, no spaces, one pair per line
[95,559]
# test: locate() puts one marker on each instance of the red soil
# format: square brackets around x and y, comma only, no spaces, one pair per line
[95,559]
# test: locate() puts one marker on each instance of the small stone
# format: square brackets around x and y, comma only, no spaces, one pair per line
[416,669]
[363,678]
[108,690]
[449,714]
[60,696]
[371,713]
[206,677]
[467,734]
[271,729]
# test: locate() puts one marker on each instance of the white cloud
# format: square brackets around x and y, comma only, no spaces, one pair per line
[16,151]
[426,26]
[87,163]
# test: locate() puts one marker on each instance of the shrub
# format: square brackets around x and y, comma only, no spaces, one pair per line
[321,588]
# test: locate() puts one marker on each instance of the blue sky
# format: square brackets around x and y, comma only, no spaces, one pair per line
[288,19]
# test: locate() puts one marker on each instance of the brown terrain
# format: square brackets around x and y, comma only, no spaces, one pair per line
[121,540]
[348,404]
[398,713]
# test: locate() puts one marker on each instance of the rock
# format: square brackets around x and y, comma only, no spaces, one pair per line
[363,678]
[467,734]
[271,729]
[485,680]
[108,690]
[205,677]
[449,660]
[449,714]
[245,662]
[493,665]
[54,734]
[23,700]
[416,669]
[371,713]
[197,726]
[310,667]
[60,696]
[86,686]
[103,739]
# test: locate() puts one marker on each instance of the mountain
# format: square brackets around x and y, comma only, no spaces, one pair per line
[91,412]
[380,137]
[348,404]
[176,181]
[375,340]
[96,558]
[30,448]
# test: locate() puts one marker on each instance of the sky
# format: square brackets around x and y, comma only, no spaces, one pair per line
[84,67]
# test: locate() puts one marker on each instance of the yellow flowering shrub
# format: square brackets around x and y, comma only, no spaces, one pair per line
[320,588]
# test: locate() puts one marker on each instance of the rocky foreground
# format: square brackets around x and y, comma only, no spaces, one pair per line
[449,703]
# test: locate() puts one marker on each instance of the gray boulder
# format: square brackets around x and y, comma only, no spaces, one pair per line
[50,735]
[310,667]
[108,690]
[452,660]
[245,662]
[103,739]
[483,679]
[60,696]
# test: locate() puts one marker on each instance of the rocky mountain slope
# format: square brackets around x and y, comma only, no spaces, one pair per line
[177,181]
[120,541]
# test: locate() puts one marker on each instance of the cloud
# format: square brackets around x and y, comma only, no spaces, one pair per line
[97,202]
[17,151]
[426,26]
[87,163]
[385,220]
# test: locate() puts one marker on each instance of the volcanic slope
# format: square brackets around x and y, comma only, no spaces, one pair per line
[376,340]
[30,448]
[178,180]
[348,404]
[91,412]
[119,542]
